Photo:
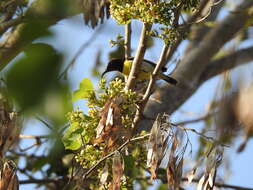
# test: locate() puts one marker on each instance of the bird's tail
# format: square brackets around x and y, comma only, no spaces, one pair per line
[168,79]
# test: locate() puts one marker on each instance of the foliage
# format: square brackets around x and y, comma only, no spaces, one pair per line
[148,11]
[100,149]
[162,12]
[42,60]
[81,134]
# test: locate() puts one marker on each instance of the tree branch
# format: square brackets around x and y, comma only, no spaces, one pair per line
[155,73]
[160,64]
[227,62]
[186,28]
[57,180]
[127,44]
[22,136]
[13,22]
[223,185]
[112,153]
[199,31]
[197,59]
[139,56]
[194,63]
[202,118]
[40,181]
[15,41]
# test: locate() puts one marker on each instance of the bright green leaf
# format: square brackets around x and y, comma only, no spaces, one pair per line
[162,187]
[72,139]
[130,169]
[85,88]
[38,164]
[33,74]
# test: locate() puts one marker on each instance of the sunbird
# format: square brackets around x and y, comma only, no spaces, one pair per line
[147,67]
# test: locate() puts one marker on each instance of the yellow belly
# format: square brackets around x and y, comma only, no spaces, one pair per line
[127,69]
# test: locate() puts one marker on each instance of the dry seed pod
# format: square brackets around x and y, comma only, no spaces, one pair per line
[117,170]
[156,146]
[9,129]
[95,10]
[110,129]
[244,112]
[8,176]
[175,165]
[214,159]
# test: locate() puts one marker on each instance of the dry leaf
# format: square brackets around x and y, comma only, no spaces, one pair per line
[156,146]
[94,10]
[104,175]
[214,159]
[117,170]
[109,119]
[110,129]
[244,112]
[103,114]
[211,177]
[190,176]
[201,183]
[175,166]
[9,129]
[227,125]
[8,177]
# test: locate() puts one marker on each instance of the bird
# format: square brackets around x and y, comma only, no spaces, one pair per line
[124,66]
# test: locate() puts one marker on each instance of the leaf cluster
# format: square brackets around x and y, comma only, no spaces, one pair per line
[151,11]
[82,130]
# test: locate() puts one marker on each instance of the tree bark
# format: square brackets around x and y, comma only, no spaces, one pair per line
[14,43]
[189,72]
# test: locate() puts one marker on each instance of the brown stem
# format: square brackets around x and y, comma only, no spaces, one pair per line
[6,25]
[139,56]
[127,44]
[112,153]
[147,94]
[223,185]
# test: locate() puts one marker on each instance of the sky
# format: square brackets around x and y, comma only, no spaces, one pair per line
[71,34]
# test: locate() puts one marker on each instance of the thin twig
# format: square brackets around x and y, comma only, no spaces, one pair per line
[155,73]
[44,122]
[199,133]
[223,185]
[6,25]
[196,132]
[127,44]
[147,94]
[112,153]
[56,180]
[186,28]
[139,56]
[208,13]
[40,181]
[81,50]
[37,143]
[204,17]
[192,121]
[22,136]
[184,179]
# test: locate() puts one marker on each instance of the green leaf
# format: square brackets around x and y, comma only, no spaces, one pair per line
[85,88]
[38,164]
[33,74]
[72,139]
[130,168]
[162,187]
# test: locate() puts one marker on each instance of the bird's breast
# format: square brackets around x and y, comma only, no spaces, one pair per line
[127,67]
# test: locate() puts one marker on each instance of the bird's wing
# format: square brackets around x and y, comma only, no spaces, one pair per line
[149,65]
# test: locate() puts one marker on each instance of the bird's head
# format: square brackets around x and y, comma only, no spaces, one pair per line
[114,65]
